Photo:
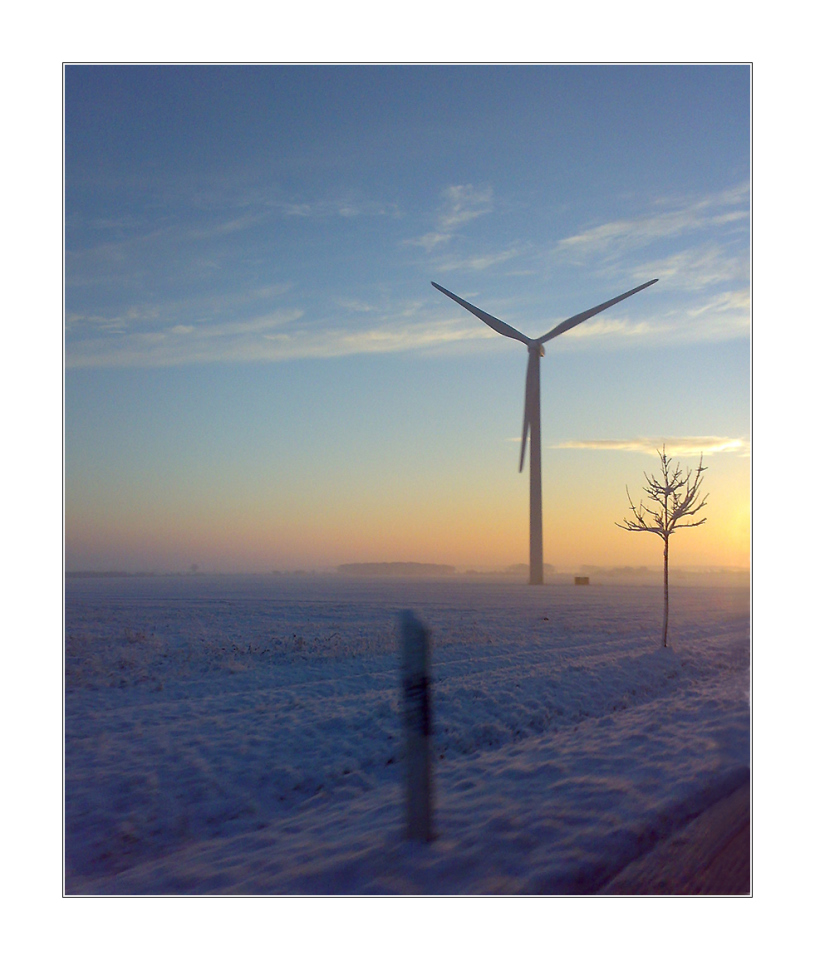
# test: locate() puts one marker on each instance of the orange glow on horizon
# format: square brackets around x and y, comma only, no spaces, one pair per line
[479,531]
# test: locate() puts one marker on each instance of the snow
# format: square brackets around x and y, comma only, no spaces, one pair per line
[243,734]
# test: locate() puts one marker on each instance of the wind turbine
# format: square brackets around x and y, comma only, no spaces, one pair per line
[532,408]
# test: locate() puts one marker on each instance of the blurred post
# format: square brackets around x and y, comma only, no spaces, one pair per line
[417,724]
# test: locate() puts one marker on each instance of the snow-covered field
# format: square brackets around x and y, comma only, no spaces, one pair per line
[243,735]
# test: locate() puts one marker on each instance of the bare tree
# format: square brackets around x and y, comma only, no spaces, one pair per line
[675,495]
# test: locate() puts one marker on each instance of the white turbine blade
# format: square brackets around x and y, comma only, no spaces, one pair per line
[528,401]
[498,325]
[580,317]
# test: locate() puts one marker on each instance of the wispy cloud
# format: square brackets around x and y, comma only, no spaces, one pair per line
[430,240]
[665,220]
[696,269]
[674,446]
[478,261]
[705,319]
[612,327]
[399,337]
[461,203]
[354,306]
[180,343]
[212,308]
[112,251]
[230,225]
[347,207]
[271,337]
[723,316]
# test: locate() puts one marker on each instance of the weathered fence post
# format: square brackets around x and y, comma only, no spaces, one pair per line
[417,724]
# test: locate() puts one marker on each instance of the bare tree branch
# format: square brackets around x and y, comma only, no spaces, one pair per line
[676,498]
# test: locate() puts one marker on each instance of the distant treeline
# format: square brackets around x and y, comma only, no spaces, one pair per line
[78,574]
[619,571]
[69,574]
[396,569]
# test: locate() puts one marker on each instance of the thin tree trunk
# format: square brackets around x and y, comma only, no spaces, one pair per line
[665,608]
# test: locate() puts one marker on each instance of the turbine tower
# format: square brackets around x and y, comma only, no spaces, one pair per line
[532,408]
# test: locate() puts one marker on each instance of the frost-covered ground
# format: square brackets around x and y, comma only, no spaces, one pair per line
[242,735]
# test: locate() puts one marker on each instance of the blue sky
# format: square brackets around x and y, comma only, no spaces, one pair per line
[259,374]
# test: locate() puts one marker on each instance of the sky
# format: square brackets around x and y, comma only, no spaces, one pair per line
[259,375]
